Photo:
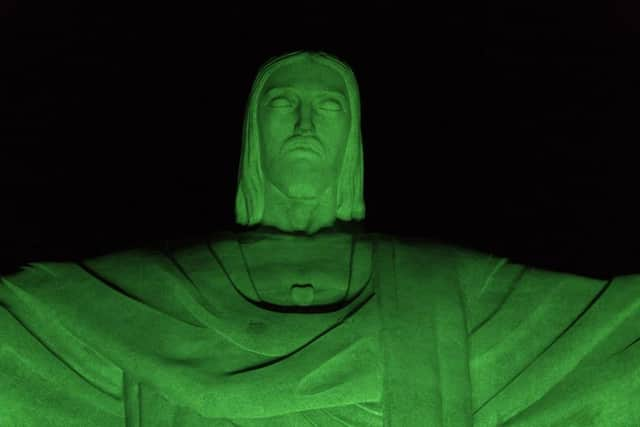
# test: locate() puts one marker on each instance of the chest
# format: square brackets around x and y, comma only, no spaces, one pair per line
[336,268]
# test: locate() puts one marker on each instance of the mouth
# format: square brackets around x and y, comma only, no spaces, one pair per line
[304,143]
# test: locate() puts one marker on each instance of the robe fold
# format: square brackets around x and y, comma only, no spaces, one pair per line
[440,336]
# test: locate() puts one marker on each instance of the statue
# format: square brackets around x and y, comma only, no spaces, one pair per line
[304,319]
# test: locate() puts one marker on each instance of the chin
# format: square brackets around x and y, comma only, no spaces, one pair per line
[304,182]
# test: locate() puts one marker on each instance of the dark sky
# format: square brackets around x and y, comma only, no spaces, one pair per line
[510,129]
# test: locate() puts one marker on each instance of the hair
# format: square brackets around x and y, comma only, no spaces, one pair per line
[250,194]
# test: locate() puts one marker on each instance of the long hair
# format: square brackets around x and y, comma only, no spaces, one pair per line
[350,194]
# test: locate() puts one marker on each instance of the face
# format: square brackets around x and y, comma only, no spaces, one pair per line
[304,122]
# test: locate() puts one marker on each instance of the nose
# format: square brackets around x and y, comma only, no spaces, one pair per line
[305,123]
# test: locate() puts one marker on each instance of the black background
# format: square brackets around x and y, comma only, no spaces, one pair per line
[506,128]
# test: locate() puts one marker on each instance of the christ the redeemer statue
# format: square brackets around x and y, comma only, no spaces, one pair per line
[304,319]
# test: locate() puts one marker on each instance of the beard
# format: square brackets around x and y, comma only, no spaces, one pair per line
[303,178]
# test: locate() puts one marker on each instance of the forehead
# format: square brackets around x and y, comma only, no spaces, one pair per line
[306,74]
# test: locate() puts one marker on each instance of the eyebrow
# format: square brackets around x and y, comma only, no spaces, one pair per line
[279,89]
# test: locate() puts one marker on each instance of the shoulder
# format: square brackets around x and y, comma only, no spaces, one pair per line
[467,263]
[466,270]
[143,274]
[128,262]
[117,263]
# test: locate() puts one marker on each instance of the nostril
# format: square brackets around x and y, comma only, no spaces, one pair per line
[304,129]
[305,132]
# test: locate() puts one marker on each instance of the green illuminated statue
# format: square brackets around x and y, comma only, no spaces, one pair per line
[303,319]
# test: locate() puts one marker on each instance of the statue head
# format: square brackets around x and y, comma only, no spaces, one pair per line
[302,139]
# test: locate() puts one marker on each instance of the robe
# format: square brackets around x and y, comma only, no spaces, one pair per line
[440,336]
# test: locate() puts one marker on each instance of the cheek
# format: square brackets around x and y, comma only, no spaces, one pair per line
[273,129]
[278,125]
[340,133]
[335,131]
[336,126]
[282,118]
[272,124]
[344,129]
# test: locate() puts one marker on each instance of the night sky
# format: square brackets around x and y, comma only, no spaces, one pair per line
[508,129]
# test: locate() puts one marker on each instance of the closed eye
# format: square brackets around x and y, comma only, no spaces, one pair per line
[330,105]
[280,102]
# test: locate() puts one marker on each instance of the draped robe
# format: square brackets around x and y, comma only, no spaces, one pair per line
[440,336]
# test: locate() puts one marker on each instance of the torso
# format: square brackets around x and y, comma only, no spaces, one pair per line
[277,262]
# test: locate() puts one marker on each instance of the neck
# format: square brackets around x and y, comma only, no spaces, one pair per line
[291,214]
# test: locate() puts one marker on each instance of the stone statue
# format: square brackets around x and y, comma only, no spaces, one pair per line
[304,319]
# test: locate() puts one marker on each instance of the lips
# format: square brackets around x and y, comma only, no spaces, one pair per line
[303,143]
